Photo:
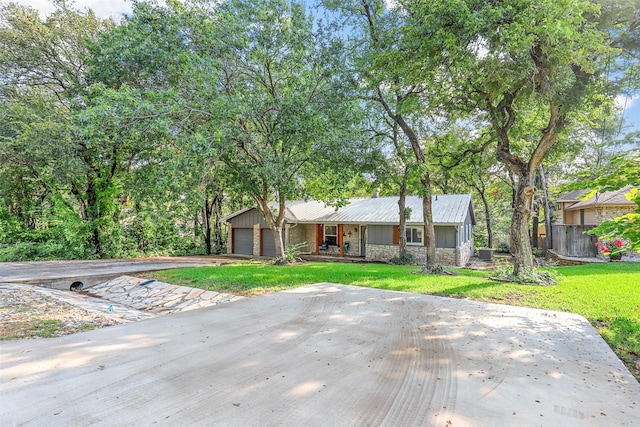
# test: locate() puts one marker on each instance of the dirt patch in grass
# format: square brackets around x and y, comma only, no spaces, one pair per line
[30,314]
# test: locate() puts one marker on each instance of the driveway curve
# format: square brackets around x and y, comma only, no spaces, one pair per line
[60,274]
[325,355]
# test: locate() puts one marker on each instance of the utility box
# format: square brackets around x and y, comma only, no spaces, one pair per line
[485,254]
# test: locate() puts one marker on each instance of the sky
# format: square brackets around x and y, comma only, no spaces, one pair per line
[116,8]
[102,8]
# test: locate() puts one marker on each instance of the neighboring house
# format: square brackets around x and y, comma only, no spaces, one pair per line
[365,227]
[575,217]
[571,210]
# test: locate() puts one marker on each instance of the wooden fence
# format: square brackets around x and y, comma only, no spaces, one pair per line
[570,240]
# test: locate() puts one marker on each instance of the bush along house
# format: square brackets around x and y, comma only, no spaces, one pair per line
[364,228]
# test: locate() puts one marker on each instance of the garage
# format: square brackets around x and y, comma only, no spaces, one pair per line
[268,244]
[243,241]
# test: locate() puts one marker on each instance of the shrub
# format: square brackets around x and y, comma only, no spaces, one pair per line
[291,254]
[406,259]
[504,272]
[503,247]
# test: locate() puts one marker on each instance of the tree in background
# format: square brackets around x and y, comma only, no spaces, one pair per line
[181,181]
[42,63]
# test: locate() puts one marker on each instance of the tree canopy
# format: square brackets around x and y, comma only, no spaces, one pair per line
[135,137]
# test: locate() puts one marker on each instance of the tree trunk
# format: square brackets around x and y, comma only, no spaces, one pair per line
[206,216]
[427,212]
[535,221]
[514,190]
[487,214]
[402,211]
[276,224]
[278,238]
[425,180]
[93,215]
[547,208]
[217,214]
[520,243]
[503,118]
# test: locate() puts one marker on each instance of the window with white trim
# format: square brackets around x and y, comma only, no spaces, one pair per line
[331,234]
[414,235]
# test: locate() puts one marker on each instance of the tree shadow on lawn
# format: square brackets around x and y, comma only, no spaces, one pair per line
[468,290]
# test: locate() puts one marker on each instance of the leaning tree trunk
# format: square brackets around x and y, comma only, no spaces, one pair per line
[275,223]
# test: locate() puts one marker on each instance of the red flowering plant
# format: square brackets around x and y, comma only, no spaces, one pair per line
[612,247]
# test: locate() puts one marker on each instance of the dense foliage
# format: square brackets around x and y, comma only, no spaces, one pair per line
[136,137]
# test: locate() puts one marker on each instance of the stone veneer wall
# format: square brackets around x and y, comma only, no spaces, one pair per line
[446,256]
[607,213]
[380,252]
[303,233]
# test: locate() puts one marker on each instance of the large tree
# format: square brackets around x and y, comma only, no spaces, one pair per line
[271,95]
[507,60]
[373,35]
[257,92]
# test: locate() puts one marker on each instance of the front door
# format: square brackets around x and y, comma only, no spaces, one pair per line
[363,240]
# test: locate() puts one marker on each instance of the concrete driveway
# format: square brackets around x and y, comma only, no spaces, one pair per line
[325,355]
[60,274]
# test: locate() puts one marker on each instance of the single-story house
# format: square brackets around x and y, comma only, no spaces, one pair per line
[571,210]
[365,227]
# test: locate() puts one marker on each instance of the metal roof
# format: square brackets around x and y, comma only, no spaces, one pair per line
[447,209]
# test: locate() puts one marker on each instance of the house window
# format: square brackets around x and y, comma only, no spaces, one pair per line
[331,234]
[414,235]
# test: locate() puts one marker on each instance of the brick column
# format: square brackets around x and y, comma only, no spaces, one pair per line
[256,239]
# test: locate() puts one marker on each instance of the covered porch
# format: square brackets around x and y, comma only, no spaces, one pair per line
[329,240]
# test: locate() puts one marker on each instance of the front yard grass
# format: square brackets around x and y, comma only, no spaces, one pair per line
[607,294]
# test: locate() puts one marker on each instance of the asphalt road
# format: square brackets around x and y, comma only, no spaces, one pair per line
[60,274]
[325,355]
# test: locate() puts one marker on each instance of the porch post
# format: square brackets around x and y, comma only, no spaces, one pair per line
[340,240]
[319,237]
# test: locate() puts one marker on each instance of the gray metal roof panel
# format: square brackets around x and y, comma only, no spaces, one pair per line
[447,209]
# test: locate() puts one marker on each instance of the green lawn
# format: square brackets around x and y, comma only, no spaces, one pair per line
[607,294]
